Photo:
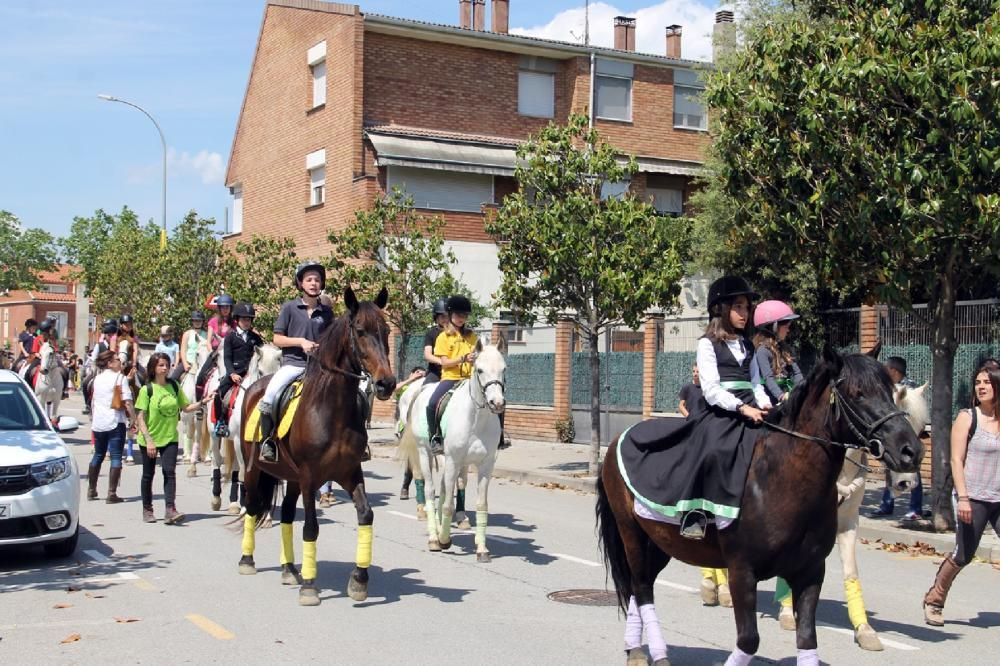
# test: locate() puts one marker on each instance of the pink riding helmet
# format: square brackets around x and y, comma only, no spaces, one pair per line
[772,312]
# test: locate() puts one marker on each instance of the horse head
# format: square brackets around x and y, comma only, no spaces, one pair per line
[268,359]
[370,338]
[488,373]
[911,401]
[46,357]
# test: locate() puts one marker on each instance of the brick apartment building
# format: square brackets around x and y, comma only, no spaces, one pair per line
[59,297]
[343,105]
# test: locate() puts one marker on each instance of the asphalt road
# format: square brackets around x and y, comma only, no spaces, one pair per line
[153,593]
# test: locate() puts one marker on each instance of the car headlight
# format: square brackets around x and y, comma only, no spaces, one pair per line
[51,471]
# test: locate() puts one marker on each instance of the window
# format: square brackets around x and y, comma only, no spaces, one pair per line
[237,225]
[62,320]
[536,87]
[316,166]
[18,411]
[613,90]
[614,190]
[316,59]
[515,332]
[689,110]
[667,201]
[443,190]
[55,288]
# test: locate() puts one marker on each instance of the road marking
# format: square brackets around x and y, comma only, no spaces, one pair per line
[402,515]
[677,586]
[459,532]
[578,560]
[96,556]
[885,641]
[209,627]
[57,623]
[501,539]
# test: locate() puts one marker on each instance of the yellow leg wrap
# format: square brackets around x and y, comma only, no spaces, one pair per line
[708,573]
[855,602]
[721,577]
[363,556]
[287,548]
[249,534]
[309,560]
[787,601]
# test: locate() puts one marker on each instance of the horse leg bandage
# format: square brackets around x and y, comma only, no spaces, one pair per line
[249,535]
[460,500]
[421,498]
[807,658]
[432,526]
[720,577]
[654,634]
[739,658]
[482,517]
[309,560]
[855,602]
[363,556]
[782,592]
[287,548]
[633,626]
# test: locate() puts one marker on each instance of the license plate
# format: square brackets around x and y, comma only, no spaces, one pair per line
[4,511]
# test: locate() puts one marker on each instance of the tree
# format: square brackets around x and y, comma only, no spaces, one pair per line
[87,240]
[567,251]
[861,141]
[262,272]
[188,269]
[23,253]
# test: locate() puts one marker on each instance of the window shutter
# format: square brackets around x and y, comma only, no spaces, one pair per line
[614,98]
[443,190]
[536,93]
[237,209]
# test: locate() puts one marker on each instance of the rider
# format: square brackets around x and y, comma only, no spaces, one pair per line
[126,330]
[773,358]
[433,374]
[300,323]
[454,349]
[241,343]
[26,339]
[190,341]
[222,322]
[46,333]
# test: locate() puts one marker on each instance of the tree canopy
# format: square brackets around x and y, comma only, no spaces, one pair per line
[24,253]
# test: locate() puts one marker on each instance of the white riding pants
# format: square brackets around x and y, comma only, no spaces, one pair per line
[285,375]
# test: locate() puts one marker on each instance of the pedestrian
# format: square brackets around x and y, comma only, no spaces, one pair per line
[773,358]
[168,345]
[159,404]
[690,393]
[896,367]
[192,339]
[975,467]
[108,423]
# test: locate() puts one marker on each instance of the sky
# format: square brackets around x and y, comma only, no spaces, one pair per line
[64,152]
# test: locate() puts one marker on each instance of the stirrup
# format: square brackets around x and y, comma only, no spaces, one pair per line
[437,445]
[694,525]
[269,451]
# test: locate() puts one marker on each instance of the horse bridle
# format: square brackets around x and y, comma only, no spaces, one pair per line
[361,374]
[482,388]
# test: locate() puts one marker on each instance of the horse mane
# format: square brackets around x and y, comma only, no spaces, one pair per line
[336,337]
[860,374]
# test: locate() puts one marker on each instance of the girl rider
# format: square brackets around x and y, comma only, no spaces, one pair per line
[222,322]
[192,339]
[773,359]
[454,348]
[241,344]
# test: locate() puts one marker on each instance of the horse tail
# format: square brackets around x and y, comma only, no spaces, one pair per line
[408,452]
[612,546]
[264,497]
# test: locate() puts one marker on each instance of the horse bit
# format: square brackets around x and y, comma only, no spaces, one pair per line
[482,388]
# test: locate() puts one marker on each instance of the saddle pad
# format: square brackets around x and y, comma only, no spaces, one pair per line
[286,410]
[420,428]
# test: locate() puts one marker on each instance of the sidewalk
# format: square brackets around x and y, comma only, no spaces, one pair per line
[564,466]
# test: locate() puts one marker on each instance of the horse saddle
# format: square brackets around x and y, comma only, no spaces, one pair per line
[283,413]
[422,428]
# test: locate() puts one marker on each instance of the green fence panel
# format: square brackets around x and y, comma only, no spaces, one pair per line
[626,380]
[673,370]
[414,346]
[531,379]
[920,365]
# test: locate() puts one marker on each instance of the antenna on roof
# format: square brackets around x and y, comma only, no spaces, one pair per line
[586,26]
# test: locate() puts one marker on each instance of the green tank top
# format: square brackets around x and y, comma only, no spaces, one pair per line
[191,353]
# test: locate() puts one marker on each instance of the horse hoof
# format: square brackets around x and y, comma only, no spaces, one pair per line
[247,566]
[421,513]
[662,662]
[725,596]
[462,521]
[434,546]
[404,494]
[308,596]
[484,558]
[636,657]
[786,619]
[216,503]
[445,545]
[709,592]
[289,576]
[867,638]
[234,509]
[192,471]
[357,590]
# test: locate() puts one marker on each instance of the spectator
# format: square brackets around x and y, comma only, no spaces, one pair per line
[690,393]
[108,423]
[896,367]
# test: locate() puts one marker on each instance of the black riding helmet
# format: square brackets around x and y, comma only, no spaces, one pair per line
[110,327]
[126,318]
[45,326]
[727,288]
[197,315]
[244,310]
[440,306]
[459,304]
[304,267]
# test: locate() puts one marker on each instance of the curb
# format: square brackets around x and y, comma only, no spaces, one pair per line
[944,543]
[582,484]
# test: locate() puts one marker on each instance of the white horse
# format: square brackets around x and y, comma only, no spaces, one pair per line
[49,385]
[851,489]
[226,451]
[194,428]
[472,438]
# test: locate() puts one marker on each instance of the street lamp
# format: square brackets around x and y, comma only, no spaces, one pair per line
[163,142]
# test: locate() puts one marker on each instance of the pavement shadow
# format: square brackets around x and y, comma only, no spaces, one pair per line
[505,520]
[581,466]
[986,620]
[385,586]
[376,476]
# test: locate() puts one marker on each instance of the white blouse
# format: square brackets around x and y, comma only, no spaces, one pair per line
[711,384]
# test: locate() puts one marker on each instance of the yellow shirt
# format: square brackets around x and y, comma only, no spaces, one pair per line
[454,345]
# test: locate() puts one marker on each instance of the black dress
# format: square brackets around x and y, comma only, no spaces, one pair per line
[674,466]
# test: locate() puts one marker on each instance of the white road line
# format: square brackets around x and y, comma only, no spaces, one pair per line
[677,586]
[459,532]
[96,556]
[103,559]
[885,641]
[402,515]
[578,560]
[490,537]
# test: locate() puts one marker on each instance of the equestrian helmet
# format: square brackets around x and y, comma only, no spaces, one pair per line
[772,312]
[110,327]
[126,318]
[440,306]
[197,315]
[307,266]
[459,304]
[225,300]
[244,310]
[727,288]
[45,326]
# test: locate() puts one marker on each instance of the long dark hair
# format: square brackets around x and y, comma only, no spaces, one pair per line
[781,354]
[154,360]
[992,371]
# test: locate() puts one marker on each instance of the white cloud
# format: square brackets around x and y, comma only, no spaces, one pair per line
[209,167]
[695,18]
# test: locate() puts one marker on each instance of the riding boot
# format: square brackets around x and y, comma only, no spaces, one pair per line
[92,473]
[938,594]
[268,447]
[234,486]
[216,483]
[114,477]
[221,418]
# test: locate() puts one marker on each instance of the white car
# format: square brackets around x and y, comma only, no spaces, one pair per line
[39,480]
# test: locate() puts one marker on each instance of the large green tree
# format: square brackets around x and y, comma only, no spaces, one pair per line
[23,253]
[566,251]
[188,269]
[260,271]
[87,240]
[860,140]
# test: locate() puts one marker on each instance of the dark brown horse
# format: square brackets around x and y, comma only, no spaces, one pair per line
[325,443]
[788,518]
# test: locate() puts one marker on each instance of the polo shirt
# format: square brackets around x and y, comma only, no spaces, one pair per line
[294,321]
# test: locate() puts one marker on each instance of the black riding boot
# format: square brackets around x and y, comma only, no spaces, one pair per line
[268,448]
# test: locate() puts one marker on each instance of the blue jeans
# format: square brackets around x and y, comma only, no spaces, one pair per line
[112,441]
[443,387]
[916,497]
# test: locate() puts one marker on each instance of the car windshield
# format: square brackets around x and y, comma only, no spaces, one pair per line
[18,411]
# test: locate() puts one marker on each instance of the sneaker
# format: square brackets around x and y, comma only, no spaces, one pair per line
[221,429]
[130,460]
[881,512]
[268,451]
[911,517]
[148,516]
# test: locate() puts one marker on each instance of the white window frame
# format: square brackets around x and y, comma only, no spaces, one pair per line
[395,174]
[688,82]
[620,71]
[237,221]
[316,59]
[531,105]
[597,91]
[316,168]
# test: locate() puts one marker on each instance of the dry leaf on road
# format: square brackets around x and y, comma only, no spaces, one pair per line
[63,606]
[94,596]
[72,638]
[126,620]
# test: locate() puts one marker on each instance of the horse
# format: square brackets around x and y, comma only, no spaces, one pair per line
[787,522]
[225,450]
[472,438]
[49,381]
[326,441]
[194,425]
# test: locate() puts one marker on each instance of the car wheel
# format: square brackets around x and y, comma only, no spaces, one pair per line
[63,548]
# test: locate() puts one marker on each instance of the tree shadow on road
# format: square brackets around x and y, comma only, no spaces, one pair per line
[385,585]
[986,620]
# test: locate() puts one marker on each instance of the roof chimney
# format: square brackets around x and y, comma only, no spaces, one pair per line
[674,41]
[624,33]
[479,14]
[465,14]
[723,34]
[500,16]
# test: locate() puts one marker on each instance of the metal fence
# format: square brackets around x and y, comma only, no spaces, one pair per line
[531,379]
[626,375]
[673,370]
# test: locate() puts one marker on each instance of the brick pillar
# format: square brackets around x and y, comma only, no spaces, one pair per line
[500,329]
[564,365]
[869,327]
[649,350]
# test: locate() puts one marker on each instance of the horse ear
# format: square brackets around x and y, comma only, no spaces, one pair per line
[502,344]
[832,358]
[920,389]
[350,300]
[382,299]
[874,351]
[479,346]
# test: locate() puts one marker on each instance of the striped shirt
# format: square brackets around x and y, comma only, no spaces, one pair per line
[982,466]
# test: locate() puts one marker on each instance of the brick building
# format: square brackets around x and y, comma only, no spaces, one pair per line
[59,297]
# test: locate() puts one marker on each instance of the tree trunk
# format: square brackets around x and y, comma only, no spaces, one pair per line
[595,399]
[943,347]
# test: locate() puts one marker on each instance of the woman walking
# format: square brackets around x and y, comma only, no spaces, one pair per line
[108,423]
[975,466]
[159,404]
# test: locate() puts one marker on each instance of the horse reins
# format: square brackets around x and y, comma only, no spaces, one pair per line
[482,388]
